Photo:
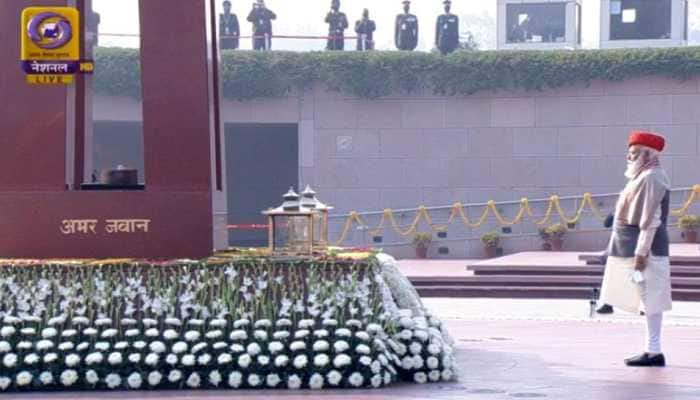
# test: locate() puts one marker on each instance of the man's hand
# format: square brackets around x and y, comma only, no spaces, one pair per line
[640,262]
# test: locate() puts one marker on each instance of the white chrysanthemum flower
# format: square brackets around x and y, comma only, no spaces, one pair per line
[68,377]
[379,344]
[7,331]
[188,360]
[152,359]
[366,361]
[253,349]
[406,323]
[192,336]
[283,323]
[237,348]
[374,329]
[321,360]
[363,349]
[342,360]
[50,357]
[343,332]
[173,322]
[5,382]
[316,381]
[224,358]
[321,346]
[92,377]
[28,331]
[407,363]
[25,345]
[72,360]
[272,380]
[109,333]
[157,347]
[260,335]
[134,380]
[149,322]
[24,378]
[94,358]
[307,323]
[115,358]
[362,335]
[254,380]
[102,346]
[195,322]
[204,359]
[297,346]
[447,375]
[154,378]
[420,377]
[302,333]
[294,382]
[263,323]
[235,379]
[432,362]
[433,349]
[353,323]
[321,333]
[121,345]
[31,359]
[214,378]
[60,320]
[238,335]
[128,321]
[421,335]
[240,323]
[415,348]
[382,359]
[275,347]
[218,323]
[179,347]
[174,376]
[46,378]
[134,358]
[434,376]
[244,361]
[447,361]
[263,360]
[170,334]
[213,335]
[281,361]
[219,345]
[376,367]
[194,380]
[80,320]
[83,346]
[301,361]
[171,359]
[376,381]
[330,322]
[356,379]
[103,322]
[6,346]
[9,319]
[152,332]
[132,332]
[49,333]
[113,381]
[334,377]
[281,335]
[406,334]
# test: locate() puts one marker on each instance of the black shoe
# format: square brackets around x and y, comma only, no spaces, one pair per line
[605,309]
[646,360]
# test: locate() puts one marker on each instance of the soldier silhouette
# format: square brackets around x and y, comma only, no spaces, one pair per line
[229,30]
[337,24]
[406,29]
[447,30]
[364,29]
[261,18]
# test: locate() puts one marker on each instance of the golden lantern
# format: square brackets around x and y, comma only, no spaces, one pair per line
[290,226]
[310,201]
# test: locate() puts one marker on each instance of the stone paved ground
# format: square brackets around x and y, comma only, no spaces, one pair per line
[511,349]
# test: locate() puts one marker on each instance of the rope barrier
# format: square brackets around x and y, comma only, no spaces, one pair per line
[524,211]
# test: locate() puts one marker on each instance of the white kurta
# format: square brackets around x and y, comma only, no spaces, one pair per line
[639,204]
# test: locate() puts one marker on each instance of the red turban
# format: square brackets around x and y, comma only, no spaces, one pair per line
[648,139]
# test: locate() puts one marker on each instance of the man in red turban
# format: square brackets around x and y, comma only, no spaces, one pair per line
[637,272]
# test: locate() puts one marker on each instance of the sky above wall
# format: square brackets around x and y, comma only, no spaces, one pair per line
[305,17]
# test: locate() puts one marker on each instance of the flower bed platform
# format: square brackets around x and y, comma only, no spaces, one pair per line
[238,320]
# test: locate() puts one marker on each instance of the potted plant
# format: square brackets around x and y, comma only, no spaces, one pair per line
[553,236]
[421,242]
[490,241]
[690,225]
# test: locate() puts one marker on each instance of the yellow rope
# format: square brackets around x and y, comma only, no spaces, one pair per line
[525,210]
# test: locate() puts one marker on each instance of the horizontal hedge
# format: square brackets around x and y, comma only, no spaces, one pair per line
[248,75]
